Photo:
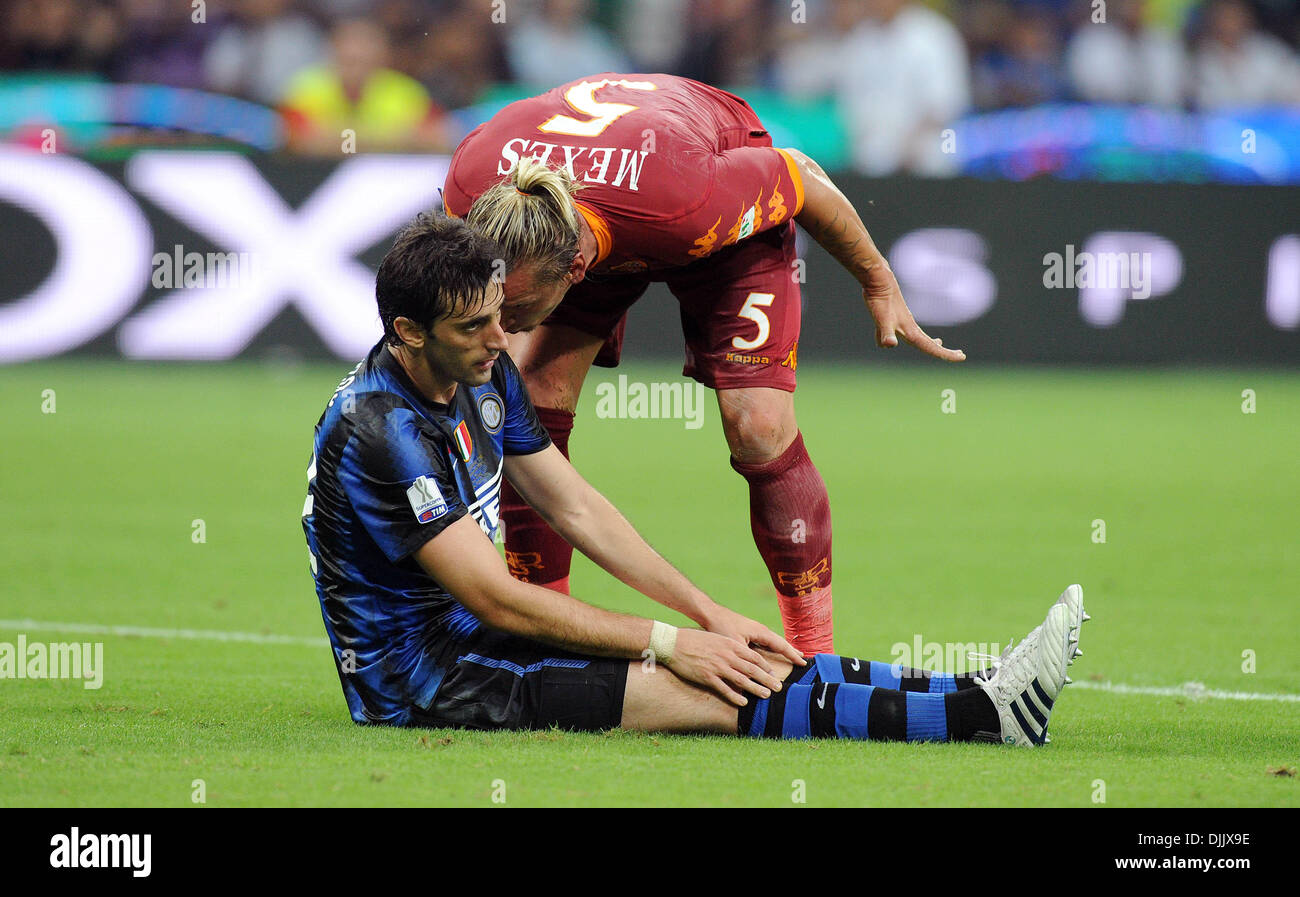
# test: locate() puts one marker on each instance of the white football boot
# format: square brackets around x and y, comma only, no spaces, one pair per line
[1072,598]
[1028,677]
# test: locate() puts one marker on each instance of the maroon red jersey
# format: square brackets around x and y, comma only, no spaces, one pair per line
[672,170]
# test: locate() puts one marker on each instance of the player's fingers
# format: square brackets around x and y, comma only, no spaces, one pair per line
[774,642]
[950,354]
[755,658]
[747,680]
[921,340]
[763,677]
[729,694]
[756,666]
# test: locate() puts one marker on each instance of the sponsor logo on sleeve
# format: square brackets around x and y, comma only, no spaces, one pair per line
[776,206]
[704,244]
[426,500]
[749,221]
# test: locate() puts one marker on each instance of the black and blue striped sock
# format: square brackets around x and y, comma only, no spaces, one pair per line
[821,701]
[837,668]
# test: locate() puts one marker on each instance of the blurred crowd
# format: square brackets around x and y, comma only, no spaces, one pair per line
[898,70]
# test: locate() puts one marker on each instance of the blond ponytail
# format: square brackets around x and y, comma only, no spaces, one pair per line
[531,216]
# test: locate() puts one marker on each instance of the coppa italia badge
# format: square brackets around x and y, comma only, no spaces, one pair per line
[464,444]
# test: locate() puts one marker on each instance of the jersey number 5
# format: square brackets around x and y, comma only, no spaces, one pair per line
[582,97]
[756,314]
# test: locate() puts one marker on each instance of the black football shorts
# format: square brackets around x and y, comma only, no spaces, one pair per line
[500,681]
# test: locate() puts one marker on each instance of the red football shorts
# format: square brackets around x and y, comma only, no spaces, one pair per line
[740,311]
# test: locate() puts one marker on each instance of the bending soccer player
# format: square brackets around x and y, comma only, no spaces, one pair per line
[601,186]
[429,628]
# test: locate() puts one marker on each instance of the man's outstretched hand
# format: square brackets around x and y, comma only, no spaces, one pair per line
[893,318]
[725,621]
[723,658]
[723,665]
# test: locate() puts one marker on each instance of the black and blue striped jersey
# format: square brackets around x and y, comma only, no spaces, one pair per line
[390,471]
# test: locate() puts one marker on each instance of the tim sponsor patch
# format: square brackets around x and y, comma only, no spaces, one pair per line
[426,500]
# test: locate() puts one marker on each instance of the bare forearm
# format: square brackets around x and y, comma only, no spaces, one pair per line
[830,219]
[598,530]
[464,561]
[534,612]
[833,222]
[588,522]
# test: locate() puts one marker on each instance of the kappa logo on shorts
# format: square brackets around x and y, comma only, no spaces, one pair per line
[490,411]
[426,500]
[792,360]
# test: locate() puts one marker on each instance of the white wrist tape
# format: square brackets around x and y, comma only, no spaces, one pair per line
[663,641]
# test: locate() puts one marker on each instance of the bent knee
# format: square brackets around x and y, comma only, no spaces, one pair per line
[758,428]
[549,387]
[554,365]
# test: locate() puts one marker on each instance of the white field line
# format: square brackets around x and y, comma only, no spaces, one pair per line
[210,635]
[1186,690]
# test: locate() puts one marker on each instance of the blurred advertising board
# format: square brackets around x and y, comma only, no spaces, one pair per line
[201,255]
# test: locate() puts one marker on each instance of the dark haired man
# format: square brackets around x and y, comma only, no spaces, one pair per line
[429,628]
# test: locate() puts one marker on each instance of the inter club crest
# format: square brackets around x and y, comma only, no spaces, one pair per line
[490,411]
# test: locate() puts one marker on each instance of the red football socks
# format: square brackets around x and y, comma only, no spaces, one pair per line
[534,551]
[790,515]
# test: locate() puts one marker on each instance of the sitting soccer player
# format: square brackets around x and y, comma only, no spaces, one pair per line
[429,628]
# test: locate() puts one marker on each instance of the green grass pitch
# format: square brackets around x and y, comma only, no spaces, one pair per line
[949,527]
